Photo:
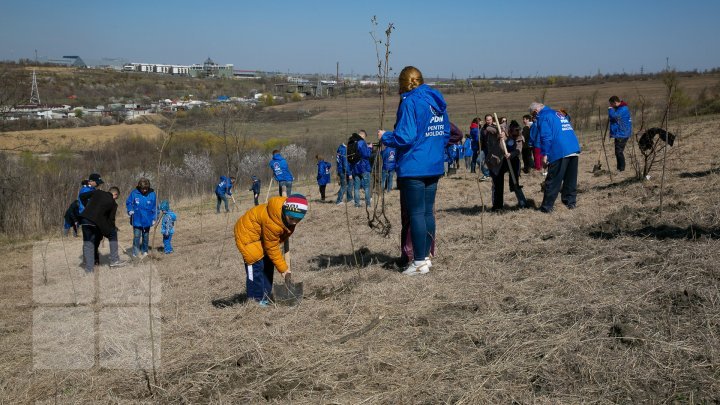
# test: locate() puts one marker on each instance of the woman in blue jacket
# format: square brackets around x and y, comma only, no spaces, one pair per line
[141,206]
[323,175]
[422,129]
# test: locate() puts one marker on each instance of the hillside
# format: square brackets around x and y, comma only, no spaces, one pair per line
[613,302]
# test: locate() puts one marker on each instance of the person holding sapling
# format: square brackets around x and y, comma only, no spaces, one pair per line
[260,234]
[422,129]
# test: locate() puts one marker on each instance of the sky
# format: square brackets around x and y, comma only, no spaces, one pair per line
[442,38]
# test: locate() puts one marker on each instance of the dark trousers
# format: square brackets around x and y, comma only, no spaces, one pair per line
[561,178]
[322,192]
[473,161]
[527,158]
[620,153]
[259,279]
[498,181]
[417,195]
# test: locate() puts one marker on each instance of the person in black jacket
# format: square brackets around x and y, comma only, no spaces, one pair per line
[72,217]
[98,221]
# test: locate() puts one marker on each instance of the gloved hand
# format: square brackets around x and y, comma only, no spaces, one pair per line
[130,213]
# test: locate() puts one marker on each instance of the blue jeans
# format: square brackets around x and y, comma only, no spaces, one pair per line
[141,238]
[362,180]
[287,185]
[220,199]
[259,279]
[344,187]
[387,176]
[481,162]
[418,197]
[167,242]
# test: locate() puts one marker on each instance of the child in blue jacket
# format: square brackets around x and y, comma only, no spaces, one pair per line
[323,175]
[141,206]
[167,226]
[255,188]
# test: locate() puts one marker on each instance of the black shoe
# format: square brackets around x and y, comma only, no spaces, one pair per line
[545,210]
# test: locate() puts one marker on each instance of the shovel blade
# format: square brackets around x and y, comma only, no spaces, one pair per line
[289,295]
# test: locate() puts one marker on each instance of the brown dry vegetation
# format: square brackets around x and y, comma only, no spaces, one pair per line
[607,303]
[73,139]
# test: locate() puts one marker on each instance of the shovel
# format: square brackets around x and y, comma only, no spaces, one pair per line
[522,201]
[289,293]
[598,165]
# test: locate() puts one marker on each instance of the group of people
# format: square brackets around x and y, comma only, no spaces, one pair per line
[354,166]
[416,150]
[94,211]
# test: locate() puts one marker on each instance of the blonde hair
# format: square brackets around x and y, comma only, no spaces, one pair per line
[410,78]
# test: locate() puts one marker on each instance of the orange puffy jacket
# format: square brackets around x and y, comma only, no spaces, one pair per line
[261,231]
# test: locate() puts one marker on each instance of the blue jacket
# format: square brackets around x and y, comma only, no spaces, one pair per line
[451,153]
[422,129]
[167,227]
[343,167]
[555,135]
[388,157]
[142,208]
[255,188]
[362,166]
[323,174]
[467,148]
[83,190]
[474,138]
[224,186]
[620,121]
[280,168]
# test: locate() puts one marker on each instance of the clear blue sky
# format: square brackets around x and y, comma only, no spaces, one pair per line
[522,38]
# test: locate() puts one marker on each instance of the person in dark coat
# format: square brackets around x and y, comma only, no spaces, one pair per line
[72,217]
[98,221]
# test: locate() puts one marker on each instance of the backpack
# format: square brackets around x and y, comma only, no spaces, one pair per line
[353,154]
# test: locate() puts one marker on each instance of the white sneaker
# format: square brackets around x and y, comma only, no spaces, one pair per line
[429,263]
[118,263]
[414,269]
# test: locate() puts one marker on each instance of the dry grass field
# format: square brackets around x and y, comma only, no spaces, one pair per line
[613,302]
[72,139]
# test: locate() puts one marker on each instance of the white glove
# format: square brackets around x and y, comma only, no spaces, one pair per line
[130,213]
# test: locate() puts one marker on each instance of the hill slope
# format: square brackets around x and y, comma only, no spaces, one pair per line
[609,302]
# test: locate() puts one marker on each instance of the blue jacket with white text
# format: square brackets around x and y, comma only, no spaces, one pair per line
[422,129]
[555,135]
[280,168]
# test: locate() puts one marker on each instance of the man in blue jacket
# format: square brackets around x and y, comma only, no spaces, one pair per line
[620,128]
[361,169]
[344,174]
[222,190]
[281,172]
[560,148]
[141,207]
[388,157]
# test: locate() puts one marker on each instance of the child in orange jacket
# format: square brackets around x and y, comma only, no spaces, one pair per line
[259,236]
